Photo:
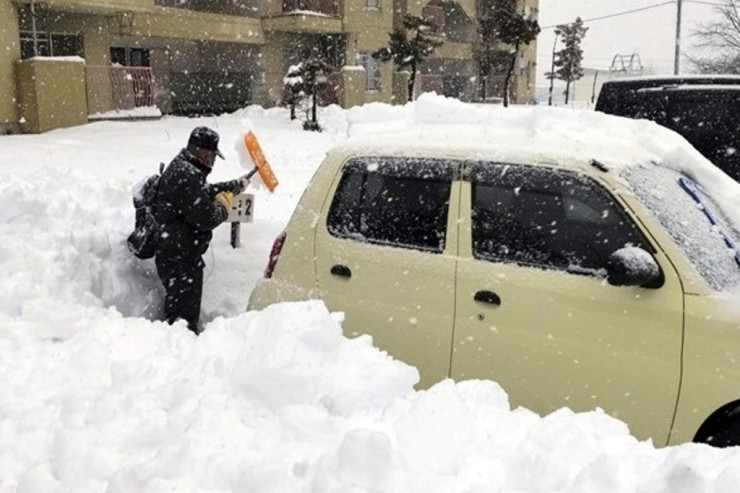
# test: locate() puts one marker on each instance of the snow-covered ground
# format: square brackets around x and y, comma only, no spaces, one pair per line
[98,396]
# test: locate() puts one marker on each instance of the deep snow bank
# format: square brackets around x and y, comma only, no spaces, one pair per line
[96,398]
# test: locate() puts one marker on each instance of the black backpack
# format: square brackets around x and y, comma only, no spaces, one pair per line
[143,240]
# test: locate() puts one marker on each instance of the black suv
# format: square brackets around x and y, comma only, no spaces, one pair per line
[704,109]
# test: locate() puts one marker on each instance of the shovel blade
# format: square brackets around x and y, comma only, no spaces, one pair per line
[258,157]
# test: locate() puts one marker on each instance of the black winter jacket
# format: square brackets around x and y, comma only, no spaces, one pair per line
[185,208]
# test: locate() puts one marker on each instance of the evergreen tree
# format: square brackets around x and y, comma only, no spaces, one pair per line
[500,22]
[409,47]
[294,90]
[568,60]
[304,80]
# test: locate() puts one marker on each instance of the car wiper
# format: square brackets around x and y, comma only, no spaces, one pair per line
[692,189]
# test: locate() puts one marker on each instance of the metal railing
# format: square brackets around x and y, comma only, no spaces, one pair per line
[118,87]
[132,84]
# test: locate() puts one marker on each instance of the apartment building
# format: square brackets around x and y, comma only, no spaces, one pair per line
[65,61]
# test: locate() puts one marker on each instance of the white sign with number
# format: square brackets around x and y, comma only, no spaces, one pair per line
[242,208]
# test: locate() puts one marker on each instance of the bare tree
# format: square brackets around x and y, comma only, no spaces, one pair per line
[721,38]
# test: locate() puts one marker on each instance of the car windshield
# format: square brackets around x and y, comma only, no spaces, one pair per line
[693,220]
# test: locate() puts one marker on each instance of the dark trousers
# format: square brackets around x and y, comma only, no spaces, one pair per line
[183,284]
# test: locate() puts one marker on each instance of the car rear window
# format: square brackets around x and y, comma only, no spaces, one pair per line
[401,202]
[685,210]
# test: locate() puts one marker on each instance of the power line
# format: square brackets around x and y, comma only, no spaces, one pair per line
[618,14]
[641,9]
[715,4]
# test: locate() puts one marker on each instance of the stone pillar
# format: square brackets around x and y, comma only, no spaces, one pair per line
[51,93]
[352,89]
[97,57]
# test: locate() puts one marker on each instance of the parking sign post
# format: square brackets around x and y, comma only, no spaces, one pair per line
[241,212]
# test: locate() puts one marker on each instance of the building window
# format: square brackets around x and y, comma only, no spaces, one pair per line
[435,15]
[129,57]
[372,71]
[27,45]
[66,44]
[372,4]
[50,44]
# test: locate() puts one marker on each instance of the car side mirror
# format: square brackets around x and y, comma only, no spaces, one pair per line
[633,266]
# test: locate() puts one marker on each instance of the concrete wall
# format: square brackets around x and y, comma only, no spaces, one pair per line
[9,54]
[400,88]
[272,60]
[97,57]
[51,93]
[178,23]
[352,89]
[526,71]
[97,5]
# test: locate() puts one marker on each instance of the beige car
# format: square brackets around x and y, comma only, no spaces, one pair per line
[574,280]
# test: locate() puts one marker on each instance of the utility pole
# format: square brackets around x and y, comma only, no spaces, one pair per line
[677,55]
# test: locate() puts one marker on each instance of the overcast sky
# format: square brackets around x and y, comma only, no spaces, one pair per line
[649,31]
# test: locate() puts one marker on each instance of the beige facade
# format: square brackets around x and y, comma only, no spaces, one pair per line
[10,41]
[191,56]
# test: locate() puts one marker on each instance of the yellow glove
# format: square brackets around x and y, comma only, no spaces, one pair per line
[225,199]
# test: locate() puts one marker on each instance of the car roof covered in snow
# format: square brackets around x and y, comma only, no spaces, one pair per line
[436,126]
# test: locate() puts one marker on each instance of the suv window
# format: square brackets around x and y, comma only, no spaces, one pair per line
[401,202]
[701,109]
[547,218]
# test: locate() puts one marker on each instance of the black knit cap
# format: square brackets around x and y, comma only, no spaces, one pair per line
[205,138]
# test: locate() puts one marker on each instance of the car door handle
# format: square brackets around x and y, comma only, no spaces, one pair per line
[487,297]
[341,271]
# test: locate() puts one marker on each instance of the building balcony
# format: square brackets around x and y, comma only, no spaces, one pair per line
[304,16]
[326,7]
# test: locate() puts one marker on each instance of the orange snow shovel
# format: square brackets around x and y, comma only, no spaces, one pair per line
[261,165]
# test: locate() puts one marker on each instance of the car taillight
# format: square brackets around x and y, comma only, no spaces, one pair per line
[277,247]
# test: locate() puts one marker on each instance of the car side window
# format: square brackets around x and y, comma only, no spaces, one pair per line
[546,218]
[402,202]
